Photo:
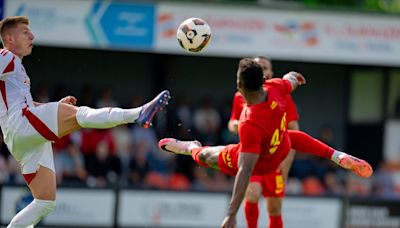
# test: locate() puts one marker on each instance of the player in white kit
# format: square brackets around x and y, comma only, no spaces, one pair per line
[30,127]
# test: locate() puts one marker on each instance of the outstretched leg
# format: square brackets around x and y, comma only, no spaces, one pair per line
[303,142]
[205,156]
[72,118]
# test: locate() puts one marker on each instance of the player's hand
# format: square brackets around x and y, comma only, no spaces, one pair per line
[286,164]
[299,77]
[233,126]
[284,168]
[69,100]
[229,222]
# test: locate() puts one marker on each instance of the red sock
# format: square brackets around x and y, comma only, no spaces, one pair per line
[195,155]
[251,214]
[303,142]
[275,221]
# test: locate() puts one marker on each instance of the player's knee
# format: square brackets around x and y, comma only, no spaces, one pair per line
[275,207]
[203,156]
[47,206]
[51,205]
[46,195]
[82,115]
[252,198]
[253,193]
[206,156]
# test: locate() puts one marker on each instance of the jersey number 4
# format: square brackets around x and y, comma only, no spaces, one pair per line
[277,136]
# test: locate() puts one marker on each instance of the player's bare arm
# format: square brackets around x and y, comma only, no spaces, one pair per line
[295,79]
[287,163]
[246,164]
[233,126]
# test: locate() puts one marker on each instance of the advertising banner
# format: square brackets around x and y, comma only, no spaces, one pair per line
[373,214]
[308,212]
[79,207]
[95,208]
[171,209]
[77,23]
[286,35]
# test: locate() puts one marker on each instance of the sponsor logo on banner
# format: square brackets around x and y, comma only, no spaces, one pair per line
[293,32]
[171,209]
[45,15]
[167,25]
[236,30]
[54,23]
[225,30]
[364,38]
[122,24]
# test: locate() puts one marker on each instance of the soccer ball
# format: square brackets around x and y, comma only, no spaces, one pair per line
[193,34]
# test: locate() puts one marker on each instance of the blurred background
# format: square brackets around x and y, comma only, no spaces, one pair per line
[122,53]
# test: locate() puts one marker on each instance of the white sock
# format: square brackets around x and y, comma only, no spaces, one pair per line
[337,156]
[105,117]
[192,146]
[32,214]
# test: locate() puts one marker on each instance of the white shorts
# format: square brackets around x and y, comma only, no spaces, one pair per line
[30,135]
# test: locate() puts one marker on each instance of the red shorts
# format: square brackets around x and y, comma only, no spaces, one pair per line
[228,159]
[272,184]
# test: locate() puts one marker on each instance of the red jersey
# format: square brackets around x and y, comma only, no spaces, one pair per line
[262,130]
[239,103]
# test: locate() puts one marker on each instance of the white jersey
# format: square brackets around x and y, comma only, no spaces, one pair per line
[27,129]
[14,88]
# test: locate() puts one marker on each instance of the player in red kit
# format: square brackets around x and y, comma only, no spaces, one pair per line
[271,186]
[264,139]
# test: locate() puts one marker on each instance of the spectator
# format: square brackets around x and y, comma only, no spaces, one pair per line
[106,167]
[333,186]
[123,147]
[383,183]
[139,165]
[86,98]
[106,99]
[159,161]
[207,122]
[356,186]
[70,165]
[312,186]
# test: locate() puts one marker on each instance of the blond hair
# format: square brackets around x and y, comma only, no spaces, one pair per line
[11,22]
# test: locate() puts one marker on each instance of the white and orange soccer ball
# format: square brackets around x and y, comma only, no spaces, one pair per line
[193,34]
